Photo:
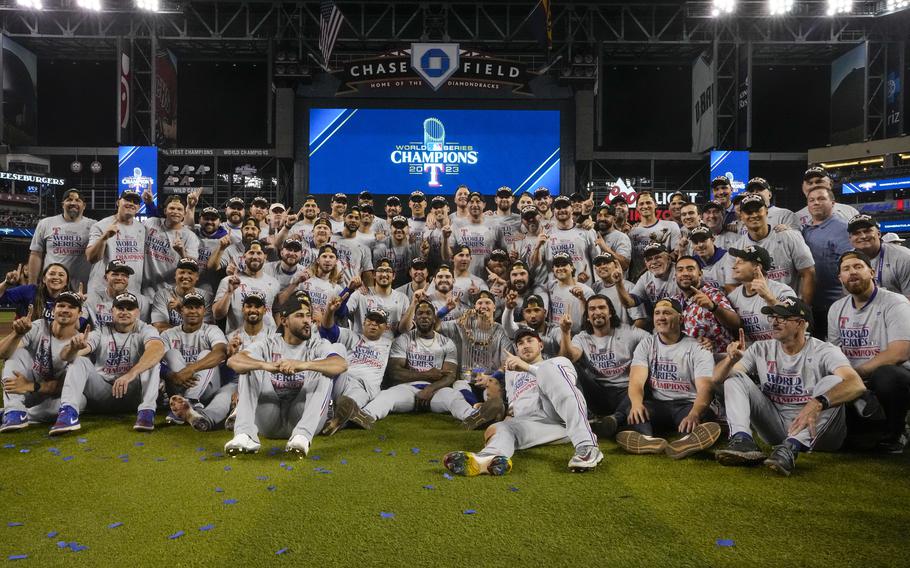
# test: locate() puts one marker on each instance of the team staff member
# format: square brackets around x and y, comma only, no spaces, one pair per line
[545,407]
[119,236]
[707,313]
[605,347]
[814,177]
[891,263]
[797,404]
[650,230]
[166,311]
[33,367]
[871,326]
[210,232]
[677,372]
[755,291]
[285,384]
[229,297]
[101,304]
[63,239]
[167,241]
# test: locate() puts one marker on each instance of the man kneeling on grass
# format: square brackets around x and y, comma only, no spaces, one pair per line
[285,383]
[545,407]
[677,370]
[797,404]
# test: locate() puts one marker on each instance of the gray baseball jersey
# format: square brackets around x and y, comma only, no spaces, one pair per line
[563,302]
[192,344]
[64,242]
[367,359]
[789,254]
[649,288]
[246,339]
[892,268]
[115,353]
[45,350]
[320,291]
[780,216]
[161,313]
[862,334]
[422,354]
[578,243]
[789,379]
[481,238]
[99,304]
[265,284]
[487,355]
[626,315]
[662,231]
[395,304]
[612,354]
[160,257]
[354,258]
[303,230]
[673,369]
[523,391]
[274,348]
[754,323]
[127,245]
[275,269]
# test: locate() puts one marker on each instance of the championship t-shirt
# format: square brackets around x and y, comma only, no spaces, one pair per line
[264,284]
[756,324]
[523,389]
[395,304]
[672,369]
[481,238]
[789,254]
[161,313]
[160,257]
[662,231]
[367,359]
[563,302]
[116,353]
[273,348]
[612,354]
[424,354]
[191,345]
[64,242]
[864,333]
[127,245]
[45,351]
[99,305]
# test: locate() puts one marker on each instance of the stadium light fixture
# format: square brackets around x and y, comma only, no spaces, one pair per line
[723,7]
[836,7]
[93,5]
[148,5]
[780,7]
[30,4]
[895,5]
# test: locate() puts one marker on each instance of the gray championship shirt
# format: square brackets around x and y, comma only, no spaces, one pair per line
[45,351]
[424,354]
[892,268]
[191,345]
[64,242]
[481,238]
[665,232]
[789,254]
[672,369]
[162,314]
[612,354]
[563,302]
[395,304]
[523,391]
[863,333]
[273,348]
[367,359]
[354,258]
[788,380]
[160,257]
[115,353]
[264,284]
[127,245]
[756,324]
[99,305]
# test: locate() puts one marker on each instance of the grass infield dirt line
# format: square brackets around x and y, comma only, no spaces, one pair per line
[632,511]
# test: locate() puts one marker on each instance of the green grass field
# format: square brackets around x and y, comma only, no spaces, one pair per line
[326,510]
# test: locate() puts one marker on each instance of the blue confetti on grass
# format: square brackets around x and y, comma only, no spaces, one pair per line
[513,489]
[262,477]
[725,542]
[230,501]
[52,534]
[271,488]
[429,487]
[62,544]
[469,512]
[218,455]
[447,476]
[219,490]
[176,535]
[281,551]
[54,451]
[115,525]
[200,449]
[393,453]
[24,451]
[202,459]
[206,528]
[139,444]
[385,515]
[315,458]
[14,524]
[9,446]
[282,465]
[344,462]
[17,557]
[415,451]
[76,547]
[227,468]
[68,458]
[82,440]
[123,456]
[377,450]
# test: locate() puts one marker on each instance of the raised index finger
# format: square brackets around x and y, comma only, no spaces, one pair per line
[742,338]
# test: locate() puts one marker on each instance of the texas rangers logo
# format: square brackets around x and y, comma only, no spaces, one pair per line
[434,155]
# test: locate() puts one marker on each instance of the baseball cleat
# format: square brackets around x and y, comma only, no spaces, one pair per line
[636,443]
[67,421]
[701,438]
[492,410]
[14,420]
[470,464]
[740,450]
[782,460]
[605,427]
[179,410]
[229,422]
[299,445]
[241,444]
[145,421]
[347,410]
[587,461]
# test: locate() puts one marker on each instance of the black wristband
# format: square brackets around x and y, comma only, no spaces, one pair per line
[37,387]
[823,400]
[714,309]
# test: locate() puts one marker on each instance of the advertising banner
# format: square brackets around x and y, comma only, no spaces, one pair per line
[703,108]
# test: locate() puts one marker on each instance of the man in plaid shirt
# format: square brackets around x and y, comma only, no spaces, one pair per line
[707,313]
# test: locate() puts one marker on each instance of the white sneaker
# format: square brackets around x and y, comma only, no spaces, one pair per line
[242,444]
[587,461]
[299,445]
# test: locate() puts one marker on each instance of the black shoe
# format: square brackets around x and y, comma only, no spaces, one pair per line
[605,427]
[740,450]
[782,460]
[891,446]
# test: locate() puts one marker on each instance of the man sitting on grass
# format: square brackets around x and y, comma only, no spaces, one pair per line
[545,407]
[797,404]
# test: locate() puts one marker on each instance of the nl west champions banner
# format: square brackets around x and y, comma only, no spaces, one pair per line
[401,150]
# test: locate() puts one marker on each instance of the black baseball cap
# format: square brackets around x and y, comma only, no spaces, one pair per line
[753,253]
[815,172]
[322,221]
[752,202]
[377,315]
[254,297]
[618,199]
[518,264]
[855,254]
[418,263]
[399,221]
[789,307]
[70,298]
[340,198]
[653,248]
[367,208]
[525,331]
[294,304]
[758,184]
[193,298]
[260,201]
[474,194]
[250,221]
[171,198]
[860,221]
[541,192]
[720,180]
[417,195]
[486,293]
[70,191]
[499,254]
[131,195]
[236,203]
[438,202]
[504,191]
[392,200]
[122,300]
[365,194]
[561,258]
[292,244]
[712,205]
[529,212]
[118,265]
[327,248]
[561,202]
[384,262]
[210,212]
[535,300]
[603,258]
[700,233]
[188,264]
[677,307]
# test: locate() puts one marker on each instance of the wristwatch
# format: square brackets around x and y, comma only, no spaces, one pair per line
[823,400]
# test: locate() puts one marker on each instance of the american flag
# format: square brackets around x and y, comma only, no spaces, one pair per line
[330,20]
